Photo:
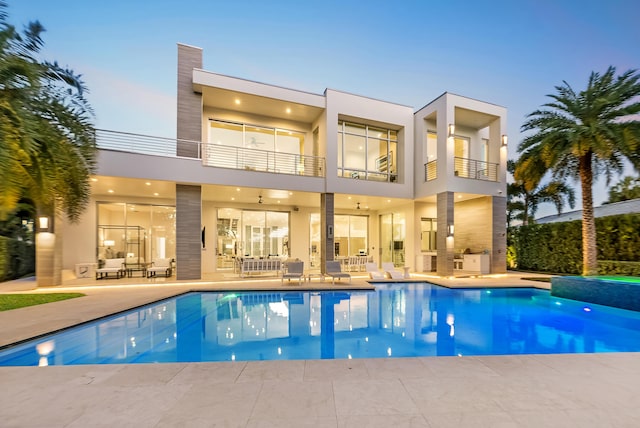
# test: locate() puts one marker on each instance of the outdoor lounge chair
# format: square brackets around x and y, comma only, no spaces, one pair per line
[391,271]
[159,266]
[111,266]
[374,273]
[335,271]
[295,270]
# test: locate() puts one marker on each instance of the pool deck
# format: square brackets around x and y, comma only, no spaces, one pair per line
[588,390]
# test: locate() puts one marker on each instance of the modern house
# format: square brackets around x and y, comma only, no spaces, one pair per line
[262,171]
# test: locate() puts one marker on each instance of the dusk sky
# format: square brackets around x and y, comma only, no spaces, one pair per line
[507,52]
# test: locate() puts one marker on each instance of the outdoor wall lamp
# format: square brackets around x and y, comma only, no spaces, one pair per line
[452,129]
[504,140]
[45,224]
[450,231]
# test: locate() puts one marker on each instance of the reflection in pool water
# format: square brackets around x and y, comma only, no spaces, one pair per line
[396,320]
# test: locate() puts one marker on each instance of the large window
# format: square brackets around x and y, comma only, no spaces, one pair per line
[351,236]
[247,233]
[367,152]
[136,231]
[256,137]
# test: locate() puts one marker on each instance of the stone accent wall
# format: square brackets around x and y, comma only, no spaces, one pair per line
[188,232]
[189,126]
[473,227]
[445,246]
[499,228]
[327,210]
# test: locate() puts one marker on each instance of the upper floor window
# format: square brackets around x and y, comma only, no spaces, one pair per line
[255,137]
[367,152]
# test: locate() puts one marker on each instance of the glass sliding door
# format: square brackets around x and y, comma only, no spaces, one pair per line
[392,238]
[247,233]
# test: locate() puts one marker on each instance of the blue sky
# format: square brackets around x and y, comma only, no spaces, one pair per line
[507,52]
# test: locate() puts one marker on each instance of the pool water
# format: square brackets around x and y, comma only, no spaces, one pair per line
[395,320]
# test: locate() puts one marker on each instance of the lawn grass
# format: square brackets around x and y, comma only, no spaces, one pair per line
[15,301]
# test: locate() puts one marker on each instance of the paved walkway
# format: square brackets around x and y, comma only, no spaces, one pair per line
[591,390]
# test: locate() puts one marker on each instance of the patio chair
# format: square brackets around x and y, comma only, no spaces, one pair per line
[294,270]
[374,272]
[335,271]
[391,271]
[159,266]
[111,266]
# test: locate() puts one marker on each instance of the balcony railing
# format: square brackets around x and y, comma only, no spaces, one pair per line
[475,169]
[213,155]
[262,160]
[145,144]
[466,168]
[431,170]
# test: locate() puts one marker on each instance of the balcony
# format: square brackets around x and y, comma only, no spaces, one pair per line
[144,144]
[221,156]
[475,169]
[465,168]
[213,155]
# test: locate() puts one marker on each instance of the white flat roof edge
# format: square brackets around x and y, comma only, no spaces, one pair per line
[216,80]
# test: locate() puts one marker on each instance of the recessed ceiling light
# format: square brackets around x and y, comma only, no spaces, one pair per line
[288,110]
[237,189]
[233,199]
[278,201]
[349,197]
[94,179]
[237,101]
[110,190]
[388,200]
[290,193]
[156,194]
[147,183]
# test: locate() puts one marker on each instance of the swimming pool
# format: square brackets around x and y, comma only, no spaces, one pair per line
[395,320]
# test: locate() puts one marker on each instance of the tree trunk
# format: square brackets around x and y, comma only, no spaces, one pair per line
[589,249]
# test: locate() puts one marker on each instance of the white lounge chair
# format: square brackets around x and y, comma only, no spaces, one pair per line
[159,266]
[391,271]
[334,270]
[111,266]
[295,270]
[374,272]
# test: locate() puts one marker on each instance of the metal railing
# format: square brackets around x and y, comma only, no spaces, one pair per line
[431,170]
[146,144]
[475,169]
[213,155]
[220,156]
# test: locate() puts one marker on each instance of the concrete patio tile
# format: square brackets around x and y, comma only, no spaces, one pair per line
[493,419]
[372,397]
[382,421]
[312,422]
[396,368]
[454,395]
[292,400]
[515,365]
[212,405]
[144,374]
[272,370]
[582,418]
[208,373]
[124,406]
[328,370]
[456,367]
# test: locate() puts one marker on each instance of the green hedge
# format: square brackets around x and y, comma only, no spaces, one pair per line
[557,247]
[17,258]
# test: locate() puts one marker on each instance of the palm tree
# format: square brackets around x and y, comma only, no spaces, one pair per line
[583,134]
[48,149]
[524,197]
[626,189]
